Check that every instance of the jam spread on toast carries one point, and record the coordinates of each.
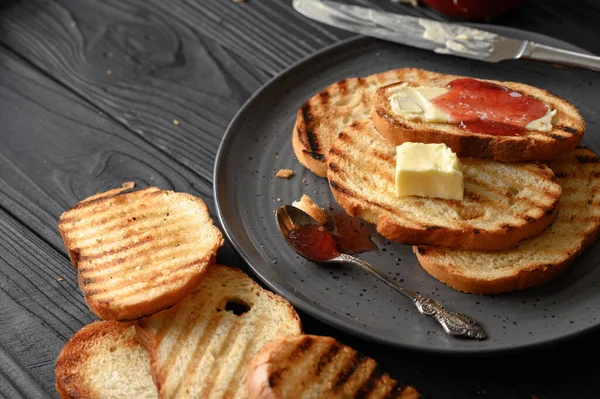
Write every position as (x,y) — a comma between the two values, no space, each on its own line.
(314,242)
(483,107)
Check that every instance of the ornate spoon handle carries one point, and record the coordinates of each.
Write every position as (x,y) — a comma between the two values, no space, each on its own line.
(453,323)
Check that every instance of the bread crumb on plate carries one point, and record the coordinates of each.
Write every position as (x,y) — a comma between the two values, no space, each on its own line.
(285,173)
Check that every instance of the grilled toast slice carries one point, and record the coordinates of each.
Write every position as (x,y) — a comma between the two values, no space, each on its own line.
(309,366)
(537,260)
(202,346)
(329,111)
(138,252)
(104,360)
(568,126)
(503,203)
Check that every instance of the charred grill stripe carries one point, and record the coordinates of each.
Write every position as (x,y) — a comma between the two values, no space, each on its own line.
(327,357)
(368,385)
(301,347)
(313,140)
(123,248)
(349,368)
(228,346)
(131,198)
(551,210)
(241,367)
(121,288)
(125,264)
(334,185)
(587,159)
(556,136)
(324,96)
(395,392)
(430,228)
(333,167)
(566,129)
(198,350)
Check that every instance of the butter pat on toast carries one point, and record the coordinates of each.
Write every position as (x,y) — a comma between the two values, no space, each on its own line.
(309,366)
(104,360)
(138,252)
(503,203)
(537,260)
(567,129)
(329,111)
(201,348)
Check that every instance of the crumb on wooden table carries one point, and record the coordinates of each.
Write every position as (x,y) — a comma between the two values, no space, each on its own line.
(285,173)
(59,279)
(175,122)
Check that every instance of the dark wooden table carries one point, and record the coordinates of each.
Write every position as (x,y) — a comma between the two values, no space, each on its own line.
(90,92)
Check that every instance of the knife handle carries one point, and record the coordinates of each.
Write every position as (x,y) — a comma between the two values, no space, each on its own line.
(535,51)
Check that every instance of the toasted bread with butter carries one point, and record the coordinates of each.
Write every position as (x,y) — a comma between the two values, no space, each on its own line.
(503,203)
(138,252)
(567,129)
(201,347)
(310,366)
(104,360)
(329,111)
(537,260)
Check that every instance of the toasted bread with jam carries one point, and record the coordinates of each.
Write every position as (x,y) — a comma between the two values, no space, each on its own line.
(503,204)
(567,130)
(310,366)
(537,260)
(104,360)
(138,252)
(329,111)
(201,347)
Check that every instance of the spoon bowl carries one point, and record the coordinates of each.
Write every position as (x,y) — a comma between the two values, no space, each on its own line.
(292,221)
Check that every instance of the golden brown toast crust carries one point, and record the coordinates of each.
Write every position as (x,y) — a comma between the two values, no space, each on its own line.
(85,344)
(576,227)
(361,178)
(567,131)
(199,340)
(138,252)
(310,366)
(329,111)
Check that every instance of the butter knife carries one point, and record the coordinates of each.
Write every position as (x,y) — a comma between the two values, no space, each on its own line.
(443,38)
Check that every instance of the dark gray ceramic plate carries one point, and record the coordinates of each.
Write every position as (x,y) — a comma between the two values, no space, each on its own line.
(258,143)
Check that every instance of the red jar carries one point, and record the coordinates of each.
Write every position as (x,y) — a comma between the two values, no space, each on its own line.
(473,9)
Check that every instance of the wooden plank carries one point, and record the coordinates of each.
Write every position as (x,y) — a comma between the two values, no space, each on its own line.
(152,74)
(41,308)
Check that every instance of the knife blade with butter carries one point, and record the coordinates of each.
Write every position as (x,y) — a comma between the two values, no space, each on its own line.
(444,38)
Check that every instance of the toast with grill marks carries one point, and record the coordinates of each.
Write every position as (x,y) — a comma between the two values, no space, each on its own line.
(138,252)
(503,203)
(537,260)
(568,126)
(309,366)
(202,346)
(104,360)
(329,111)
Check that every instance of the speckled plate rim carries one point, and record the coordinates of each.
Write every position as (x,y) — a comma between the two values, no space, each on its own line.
(219,173)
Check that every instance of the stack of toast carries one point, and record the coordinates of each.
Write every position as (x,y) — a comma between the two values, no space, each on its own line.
(174,324)
(531,200)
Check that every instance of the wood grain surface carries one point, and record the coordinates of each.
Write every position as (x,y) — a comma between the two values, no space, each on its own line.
(94,93)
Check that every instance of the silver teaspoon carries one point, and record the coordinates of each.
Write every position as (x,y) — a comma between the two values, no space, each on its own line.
(313,242)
